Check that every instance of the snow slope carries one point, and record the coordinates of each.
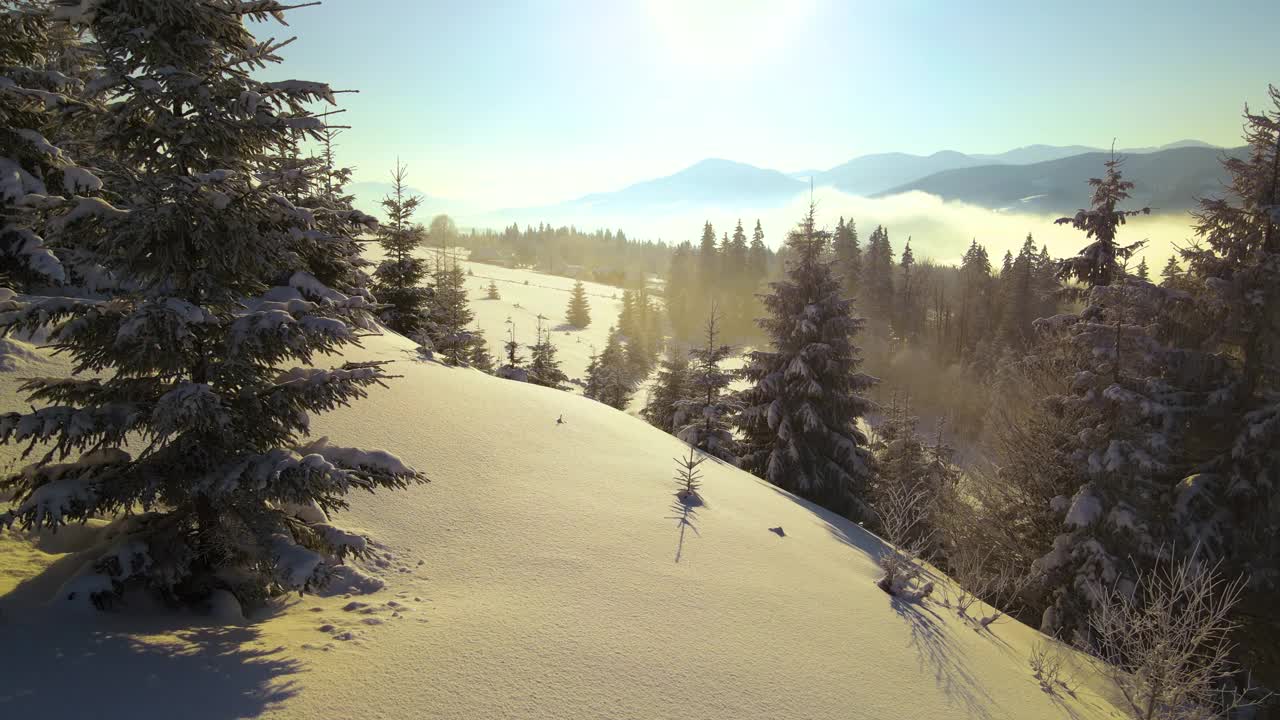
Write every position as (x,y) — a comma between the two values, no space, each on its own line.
(544,573)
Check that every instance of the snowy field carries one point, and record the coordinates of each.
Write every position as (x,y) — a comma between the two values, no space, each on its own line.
(523,295)
(545,572)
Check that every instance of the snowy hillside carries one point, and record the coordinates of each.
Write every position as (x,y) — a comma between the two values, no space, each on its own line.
(544,573)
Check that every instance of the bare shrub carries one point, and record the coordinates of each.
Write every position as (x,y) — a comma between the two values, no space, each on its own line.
(901,512)
(980,577)
(1047,667)
(1168,642)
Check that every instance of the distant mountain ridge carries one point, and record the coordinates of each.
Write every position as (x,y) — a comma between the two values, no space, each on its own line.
(1034,178)
(1167,180)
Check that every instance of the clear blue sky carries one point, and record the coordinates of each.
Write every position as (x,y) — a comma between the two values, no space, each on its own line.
(521,103)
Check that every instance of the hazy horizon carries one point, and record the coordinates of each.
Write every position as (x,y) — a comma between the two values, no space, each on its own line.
(567,98)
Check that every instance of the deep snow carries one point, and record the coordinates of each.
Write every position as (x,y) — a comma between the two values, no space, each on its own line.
(546,572)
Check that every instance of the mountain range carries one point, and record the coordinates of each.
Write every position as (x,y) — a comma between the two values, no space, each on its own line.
(1035,178)
(1042,179)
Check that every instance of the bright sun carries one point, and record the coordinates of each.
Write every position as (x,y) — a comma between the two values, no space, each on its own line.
(717,33)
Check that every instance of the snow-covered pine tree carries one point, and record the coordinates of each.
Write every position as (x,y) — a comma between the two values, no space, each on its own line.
(608,377)
(544,367)
(708,406)
(1100,262)
(663,409)
(1134,395)
(799,418)
(399,277)
(579,313)
(449,312)
(191,362)
(330,250)
(1232,505)
(41,107)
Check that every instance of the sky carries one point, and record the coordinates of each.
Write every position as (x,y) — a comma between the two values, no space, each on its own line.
(516,104)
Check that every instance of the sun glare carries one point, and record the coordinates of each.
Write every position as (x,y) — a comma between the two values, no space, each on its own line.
(724,33)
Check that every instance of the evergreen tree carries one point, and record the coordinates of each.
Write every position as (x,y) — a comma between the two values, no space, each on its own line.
(627,321)
(511,347)
(909,309)
(1018,296)
(975,314)
(1099,262)
(608,377)
(41,107)
(680,292)
(197,342)
(579,313)
(449,313)
(671,386)
(1232,506)
(708,407)
(877,282)
(398,279)
(757,257)
(544,367)
(798,421)
(1169,275)
(1131,399)
(1143,273)
(708,263)
(491,293)
(905,467)
(848,257)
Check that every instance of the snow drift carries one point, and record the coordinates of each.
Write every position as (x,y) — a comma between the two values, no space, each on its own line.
(546,572)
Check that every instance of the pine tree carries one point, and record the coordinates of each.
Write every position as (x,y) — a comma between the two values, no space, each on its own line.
(197,342)
(1018,296)
(398,279)
(1131,399)
(579,313)
(41,107)
(909,309)
(671,386)
(608,377)
(1143,273)
(1099,262)
(449,313)
(627,323)
(708,263)
(975,314)
(1171,272)
(544,367)
(1232,506)
(848,257)
(708,406)
(877,282)
(799,417)
(757,257)
(905,467)
(491,293)
(679,292)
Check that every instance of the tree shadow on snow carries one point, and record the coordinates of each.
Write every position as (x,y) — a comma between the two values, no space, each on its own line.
(929,640)
(55,666)
(685,514)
